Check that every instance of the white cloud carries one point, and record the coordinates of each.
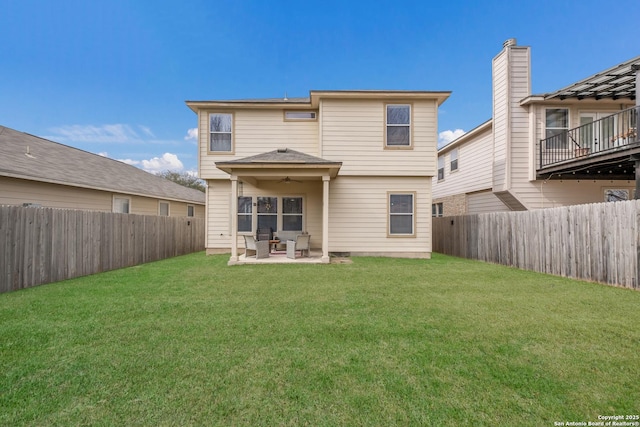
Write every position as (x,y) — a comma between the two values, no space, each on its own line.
(115,133)
(103,154)
(147,131)
(192,134)
(129,162)
(168,161)
(447,136)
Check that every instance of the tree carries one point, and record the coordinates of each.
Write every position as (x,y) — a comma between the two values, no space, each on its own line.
(184,178)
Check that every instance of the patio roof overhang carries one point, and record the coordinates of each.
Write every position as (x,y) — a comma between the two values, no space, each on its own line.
(279,165)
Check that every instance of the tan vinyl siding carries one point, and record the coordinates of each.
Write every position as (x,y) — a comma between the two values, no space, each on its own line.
(473,173)
(219,220)
(484,202)
(353,133)
(358,215)
(19,191)
(255,132)
(519,116)
(500,120)
(218,214)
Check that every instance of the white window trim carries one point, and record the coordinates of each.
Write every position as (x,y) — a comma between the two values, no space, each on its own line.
(113,205)
(160,203)
(439,210)
(440,168)
(568,110)
(451,160)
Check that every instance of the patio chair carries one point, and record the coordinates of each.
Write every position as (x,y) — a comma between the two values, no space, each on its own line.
(259,248)
(300,244)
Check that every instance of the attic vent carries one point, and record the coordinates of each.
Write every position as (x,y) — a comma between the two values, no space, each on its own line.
(509,42)
(282,150)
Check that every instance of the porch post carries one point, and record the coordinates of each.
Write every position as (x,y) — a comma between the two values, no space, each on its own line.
(234,220)
(325,219)
(636,68)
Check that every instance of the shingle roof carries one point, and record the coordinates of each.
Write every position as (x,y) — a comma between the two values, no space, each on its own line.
(281,155)
(614,83)
(30,157)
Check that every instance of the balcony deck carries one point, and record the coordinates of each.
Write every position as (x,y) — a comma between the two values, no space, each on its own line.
(603,149)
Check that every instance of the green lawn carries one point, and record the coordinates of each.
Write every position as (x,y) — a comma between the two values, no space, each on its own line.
(190,341)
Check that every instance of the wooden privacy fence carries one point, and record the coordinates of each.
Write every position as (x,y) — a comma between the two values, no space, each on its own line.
(44,245)
(597,242)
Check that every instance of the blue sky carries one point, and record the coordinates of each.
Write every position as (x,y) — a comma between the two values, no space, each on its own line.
(111,77)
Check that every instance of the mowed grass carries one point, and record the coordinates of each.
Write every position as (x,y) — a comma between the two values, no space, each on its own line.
(446,341)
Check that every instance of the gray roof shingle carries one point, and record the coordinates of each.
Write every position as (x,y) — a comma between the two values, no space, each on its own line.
(281,155)
(30,157)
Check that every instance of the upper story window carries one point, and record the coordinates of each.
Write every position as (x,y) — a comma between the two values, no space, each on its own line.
(453,158)
(221,132)
(398,126)
(299,115)
(190,210)
(556,127)
(440,168)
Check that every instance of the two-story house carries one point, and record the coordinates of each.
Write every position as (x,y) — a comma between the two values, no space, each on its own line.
(576,145)
(351,168)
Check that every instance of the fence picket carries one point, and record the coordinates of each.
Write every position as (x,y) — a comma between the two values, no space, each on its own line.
(598,242)
(44,245)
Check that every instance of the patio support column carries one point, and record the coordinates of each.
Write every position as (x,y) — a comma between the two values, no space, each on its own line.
(234,220)
(325,219)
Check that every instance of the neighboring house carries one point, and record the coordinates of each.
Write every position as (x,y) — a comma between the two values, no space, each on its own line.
(38,172)
(576,145)
(351,168)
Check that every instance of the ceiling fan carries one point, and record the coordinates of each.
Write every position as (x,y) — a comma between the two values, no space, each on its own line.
(287,180)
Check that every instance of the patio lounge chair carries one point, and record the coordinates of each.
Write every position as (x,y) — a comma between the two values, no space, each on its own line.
(300,244)
(259,248)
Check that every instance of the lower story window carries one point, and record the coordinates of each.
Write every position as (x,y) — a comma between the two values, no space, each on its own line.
(436,210)
(401,213)
(292,213)
(163,209)
(121,204)
(268,213)
(245,214)
(267,216)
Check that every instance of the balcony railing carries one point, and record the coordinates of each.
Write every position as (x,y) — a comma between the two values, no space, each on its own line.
(610,133)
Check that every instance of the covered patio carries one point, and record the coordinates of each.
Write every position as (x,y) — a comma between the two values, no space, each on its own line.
(280,167)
